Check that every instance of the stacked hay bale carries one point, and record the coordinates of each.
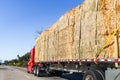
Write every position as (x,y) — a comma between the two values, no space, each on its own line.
(82,33)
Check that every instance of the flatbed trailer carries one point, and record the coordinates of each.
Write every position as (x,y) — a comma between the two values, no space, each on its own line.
(92,69)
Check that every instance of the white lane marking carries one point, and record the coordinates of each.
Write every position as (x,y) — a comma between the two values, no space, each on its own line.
(27,76)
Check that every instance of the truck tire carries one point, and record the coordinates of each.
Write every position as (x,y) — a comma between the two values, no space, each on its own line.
(38,71)
(102,73)
(92,75)
(34,70)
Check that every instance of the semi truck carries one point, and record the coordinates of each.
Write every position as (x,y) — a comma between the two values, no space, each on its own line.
(85,39)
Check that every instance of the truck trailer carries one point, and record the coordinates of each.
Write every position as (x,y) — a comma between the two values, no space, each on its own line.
(85,39)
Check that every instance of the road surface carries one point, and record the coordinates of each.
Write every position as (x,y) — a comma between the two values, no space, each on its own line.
(17,73)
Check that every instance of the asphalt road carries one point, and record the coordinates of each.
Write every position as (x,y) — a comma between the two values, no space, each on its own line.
(17,73)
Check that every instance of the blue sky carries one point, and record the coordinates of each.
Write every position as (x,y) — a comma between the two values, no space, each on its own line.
(20,20)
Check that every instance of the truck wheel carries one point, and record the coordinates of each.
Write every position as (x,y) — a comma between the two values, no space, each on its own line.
(38,72)
(102,73)
(92,75)
(34,70)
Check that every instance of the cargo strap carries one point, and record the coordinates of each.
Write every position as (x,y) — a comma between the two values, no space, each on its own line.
(107,41)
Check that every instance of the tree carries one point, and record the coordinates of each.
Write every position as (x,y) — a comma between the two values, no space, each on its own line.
(21,61)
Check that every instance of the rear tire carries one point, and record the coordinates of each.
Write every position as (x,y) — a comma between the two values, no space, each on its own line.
(38,71)
(102,73)
(34,70)
(92,75)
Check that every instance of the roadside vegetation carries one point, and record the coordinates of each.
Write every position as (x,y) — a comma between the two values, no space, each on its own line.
(20,62)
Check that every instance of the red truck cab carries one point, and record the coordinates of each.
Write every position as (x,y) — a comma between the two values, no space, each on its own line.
(31,62)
